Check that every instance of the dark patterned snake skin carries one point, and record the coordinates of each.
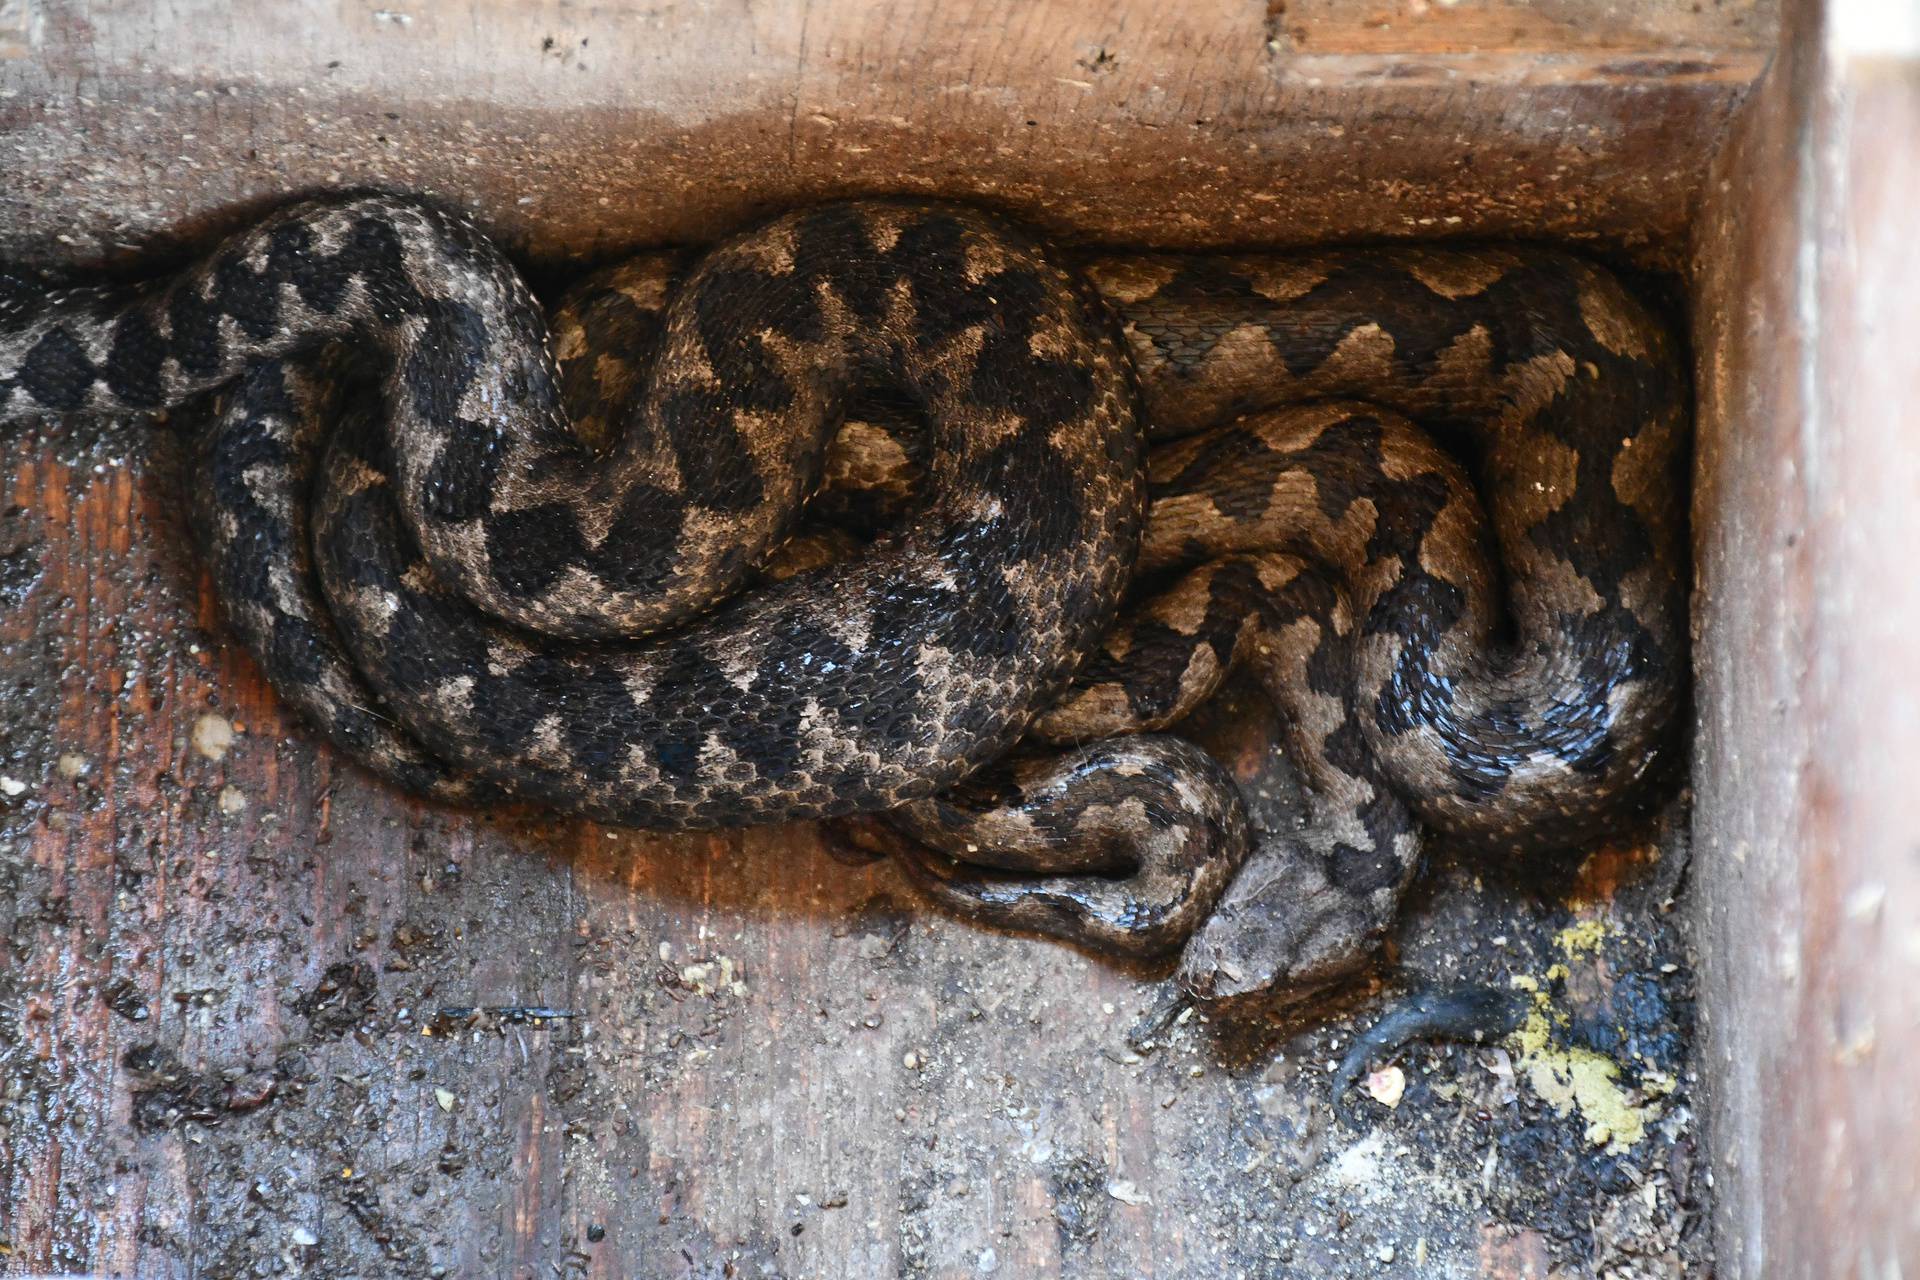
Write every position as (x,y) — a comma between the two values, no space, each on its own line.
(828,519)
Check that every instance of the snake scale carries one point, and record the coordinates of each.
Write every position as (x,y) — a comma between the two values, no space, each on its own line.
(887,507)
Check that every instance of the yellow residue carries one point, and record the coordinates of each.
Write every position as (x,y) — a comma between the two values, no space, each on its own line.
(1582,938)
(1578,1078)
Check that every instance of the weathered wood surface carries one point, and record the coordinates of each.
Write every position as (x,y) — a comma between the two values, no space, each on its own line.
(222,1051)
(573,130)
(1806,521)
(220,1043)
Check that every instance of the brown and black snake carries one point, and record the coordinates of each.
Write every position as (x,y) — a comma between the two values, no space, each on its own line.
(855,514)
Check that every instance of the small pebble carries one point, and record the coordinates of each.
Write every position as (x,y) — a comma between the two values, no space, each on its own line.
(1386,1086)
(232,800)
(213,736)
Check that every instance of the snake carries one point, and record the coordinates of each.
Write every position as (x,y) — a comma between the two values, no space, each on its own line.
(892,513)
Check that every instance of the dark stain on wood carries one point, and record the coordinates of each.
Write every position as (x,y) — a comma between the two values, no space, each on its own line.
(260,1012)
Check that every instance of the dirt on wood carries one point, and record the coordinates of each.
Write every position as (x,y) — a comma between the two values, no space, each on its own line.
(261,1016)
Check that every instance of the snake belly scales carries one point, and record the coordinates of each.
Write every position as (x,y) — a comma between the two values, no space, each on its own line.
(497,560)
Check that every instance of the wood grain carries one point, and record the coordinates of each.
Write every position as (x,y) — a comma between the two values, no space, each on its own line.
(573,131)
(235,1035)
(1809,742)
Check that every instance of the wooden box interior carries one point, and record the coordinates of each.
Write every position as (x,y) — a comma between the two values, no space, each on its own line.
(1765,162)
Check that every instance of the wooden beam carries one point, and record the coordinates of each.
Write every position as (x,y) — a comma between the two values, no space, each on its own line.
(577,130)
(1807,305)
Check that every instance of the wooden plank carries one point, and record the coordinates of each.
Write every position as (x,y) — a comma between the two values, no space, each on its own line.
(221,1048)
(573,131)
(1810,709)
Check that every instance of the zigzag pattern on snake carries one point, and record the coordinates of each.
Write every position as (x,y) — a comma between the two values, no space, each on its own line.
(436,526)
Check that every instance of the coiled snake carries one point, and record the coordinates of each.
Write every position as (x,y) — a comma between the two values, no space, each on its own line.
(439,529)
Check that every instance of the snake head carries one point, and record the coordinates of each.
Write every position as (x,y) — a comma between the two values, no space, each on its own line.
(1282,934)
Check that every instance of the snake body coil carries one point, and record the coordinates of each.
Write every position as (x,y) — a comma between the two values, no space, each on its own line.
(493,508)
